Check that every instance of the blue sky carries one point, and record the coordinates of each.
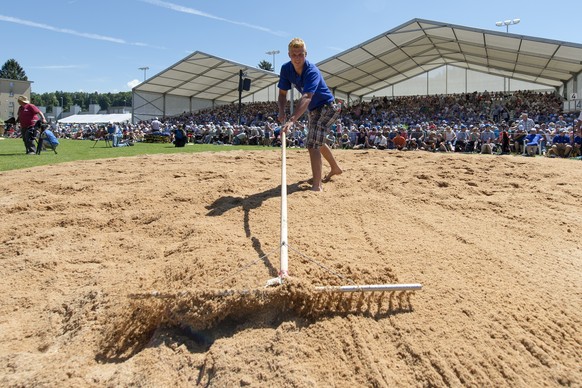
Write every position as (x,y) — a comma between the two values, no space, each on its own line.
(82,45)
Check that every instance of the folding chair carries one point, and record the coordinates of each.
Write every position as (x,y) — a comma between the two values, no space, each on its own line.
(102,135)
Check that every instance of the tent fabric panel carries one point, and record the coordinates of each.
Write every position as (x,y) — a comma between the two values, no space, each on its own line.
(379,46)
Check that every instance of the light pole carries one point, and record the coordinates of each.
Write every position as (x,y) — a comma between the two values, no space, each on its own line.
(273,53)
(507,23)
(145,69)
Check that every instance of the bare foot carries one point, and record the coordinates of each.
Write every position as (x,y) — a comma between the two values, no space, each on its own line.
(327,178)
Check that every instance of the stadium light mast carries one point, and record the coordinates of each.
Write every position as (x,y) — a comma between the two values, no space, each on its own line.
(273,53)
(145,69)
(507,23)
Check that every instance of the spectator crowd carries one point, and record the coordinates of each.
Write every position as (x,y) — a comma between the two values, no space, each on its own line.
(523,122)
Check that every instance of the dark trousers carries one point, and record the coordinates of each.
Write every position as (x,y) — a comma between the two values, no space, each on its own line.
(181,142)
(28,136)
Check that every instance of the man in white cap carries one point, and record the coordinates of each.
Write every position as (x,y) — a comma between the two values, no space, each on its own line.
(28,115)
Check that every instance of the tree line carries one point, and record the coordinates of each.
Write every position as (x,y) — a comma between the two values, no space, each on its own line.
(82,99)
(12,70)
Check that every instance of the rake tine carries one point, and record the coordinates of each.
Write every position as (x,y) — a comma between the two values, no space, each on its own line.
(391,302)
(380,299)
(360,302)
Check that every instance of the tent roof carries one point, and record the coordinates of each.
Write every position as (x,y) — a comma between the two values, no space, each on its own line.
(419,46)
(96,119)
(207,77)
(411,49)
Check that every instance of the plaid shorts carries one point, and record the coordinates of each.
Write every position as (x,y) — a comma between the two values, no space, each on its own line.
(320,120)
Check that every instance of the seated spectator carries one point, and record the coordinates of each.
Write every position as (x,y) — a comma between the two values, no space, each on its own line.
(268,129)
(362,140)
(276,137)
(242,139)
(399,142)
(532,142)
(473,142)
(180,136)
(526,123)
(577,143)
(450,137)
(255,136)
(390,136)
(461,138)
(560,145)
(330,139)
(487,139)
(417,138)
(430,141)
(504,141)
(381,141)
(353,134)
(299,136)
(561,123)
(228,134)
(517,139)
(345,142)
(156,125)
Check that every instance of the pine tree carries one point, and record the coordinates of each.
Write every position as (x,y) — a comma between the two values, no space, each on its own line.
(12,70)
(265,65)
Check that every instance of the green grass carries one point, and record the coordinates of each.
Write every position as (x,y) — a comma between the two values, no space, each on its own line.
(13,157)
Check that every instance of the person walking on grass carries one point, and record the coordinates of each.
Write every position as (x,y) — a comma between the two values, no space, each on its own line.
(315,98)
(28,115)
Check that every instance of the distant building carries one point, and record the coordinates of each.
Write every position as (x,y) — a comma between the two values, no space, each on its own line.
(10,89)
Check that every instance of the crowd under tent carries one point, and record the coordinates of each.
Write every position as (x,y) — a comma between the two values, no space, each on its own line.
(419,57)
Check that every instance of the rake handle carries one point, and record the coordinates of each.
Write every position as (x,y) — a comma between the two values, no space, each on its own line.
(371,288)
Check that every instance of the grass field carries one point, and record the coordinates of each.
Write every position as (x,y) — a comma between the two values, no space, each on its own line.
(13,157)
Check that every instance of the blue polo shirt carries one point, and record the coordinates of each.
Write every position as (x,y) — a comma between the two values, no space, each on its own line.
(50,137)
(561,139)
(310,81)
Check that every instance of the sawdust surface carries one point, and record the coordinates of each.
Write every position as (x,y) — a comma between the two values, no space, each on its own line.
(149,271)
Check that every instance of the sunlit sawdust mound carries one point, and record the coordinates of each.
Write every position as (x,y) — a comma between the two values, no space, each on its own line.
(215,313)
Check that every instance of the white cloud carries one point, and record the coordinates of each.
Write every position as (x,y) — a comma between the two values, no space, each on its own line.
(133,83)
(59,67)
(87,35)
(192,11)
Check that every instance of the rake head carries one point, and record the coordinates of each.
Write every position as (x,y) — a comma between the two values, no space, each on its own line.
(203,309)
(214,310)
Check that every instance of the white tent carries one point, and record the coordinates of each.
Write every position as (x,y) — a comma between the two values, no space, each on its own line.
(96,119)
(414,58)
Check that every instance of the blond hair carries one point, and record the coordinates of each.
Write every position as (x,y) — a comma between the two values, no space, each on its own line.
(297,43)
